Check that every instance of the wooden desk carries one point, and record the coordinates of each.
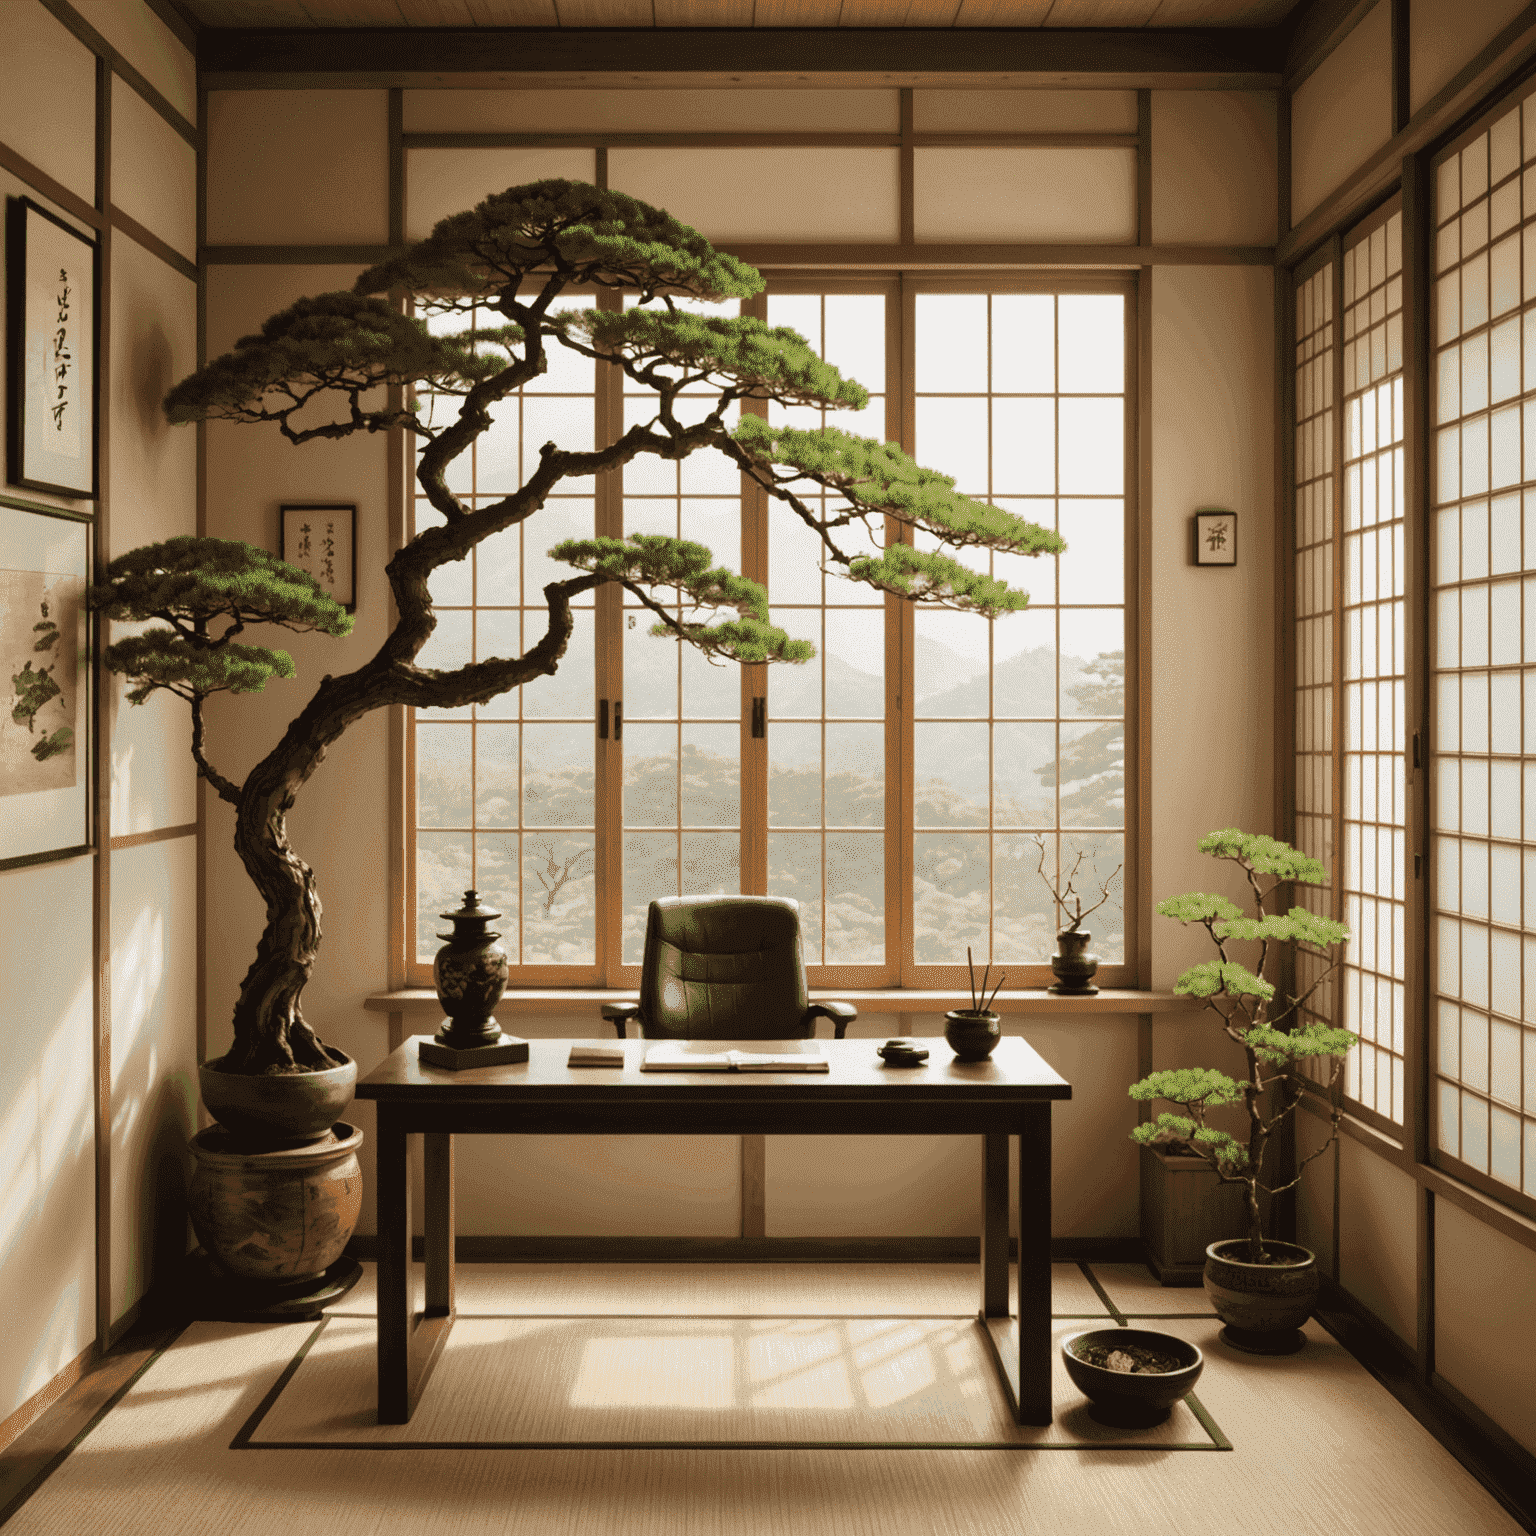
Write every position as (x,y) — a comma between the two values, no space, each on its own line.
(1009,1095)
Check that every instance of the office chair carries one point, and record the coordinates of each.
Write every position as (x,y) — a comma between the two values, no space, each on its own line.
(724,968)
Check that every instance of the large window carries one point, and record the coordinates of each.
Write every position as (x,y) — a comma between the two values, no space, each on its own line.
(1482,656)
(912,784)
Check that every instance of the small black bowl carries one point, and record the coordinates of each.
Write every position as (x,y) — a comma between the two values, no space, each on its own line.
(1126,1397)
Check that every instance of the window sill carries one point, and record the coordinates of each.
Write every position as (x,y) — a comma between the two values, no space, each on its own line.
(418,1001)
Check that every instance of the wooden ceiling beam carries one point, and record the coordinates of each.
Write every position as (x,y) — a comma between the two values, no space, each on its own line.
(1125,59)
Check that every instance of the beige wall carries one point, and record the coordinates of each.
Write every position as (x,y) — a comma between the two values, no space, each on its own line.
(1445,35)
(50,947)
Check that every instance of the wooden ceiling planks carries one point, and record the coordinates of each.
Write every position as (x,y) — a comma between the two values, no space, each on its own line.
(1223,13)
(605,13)
(703,13)
(1003,13)
(1100,13)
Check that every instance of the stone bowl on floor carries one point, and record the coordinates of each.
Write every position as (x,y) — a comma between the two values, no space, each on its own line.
(1132,1397)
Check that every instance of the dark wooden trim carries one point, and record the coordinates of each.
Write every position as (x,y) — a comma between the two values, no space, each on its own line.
(1142,144)
(1401,61)
(202,530)
(159,835)
(739,1250)
(1282,164)
(185,27)
(783,138)
(101,745)
(396,132)
(1139,603)
(1317,31)
(1424,1251)
(152,243)
(66,14)
(1505,56)
(1231,59)
(1418,429)
(754,1188)
(17,1423)
(45,186)
(902,256)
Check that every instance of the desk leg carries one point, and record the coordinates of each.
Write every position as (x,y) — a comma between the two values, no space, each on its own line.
(394,1224)
(437,1148)
(994,1226)
(1034,1399)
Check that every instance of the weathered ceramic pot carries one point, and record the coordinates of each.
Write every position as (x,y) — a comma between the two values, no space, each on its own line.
(972,1036)
(1127,1396)
(470,973)
(1073,965)
(280,1110)
(1263,1305)
(282,1214)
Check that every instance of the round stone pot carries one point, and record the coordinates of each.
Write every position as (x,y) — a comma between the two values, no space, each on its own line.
(281,1109)
(281,1215)
(972,1036)
(1138,1397)
(1073,965)
(1263,1305)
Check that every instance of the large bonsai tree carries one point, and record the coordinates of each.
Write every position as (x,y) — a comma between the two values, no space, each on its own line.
(1277,1047)
(315,372)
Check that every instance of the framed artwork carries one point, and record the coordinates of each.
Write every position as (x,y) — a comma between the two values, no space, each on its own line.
(321,538)
(45,674)
(51,344)
(1215,537)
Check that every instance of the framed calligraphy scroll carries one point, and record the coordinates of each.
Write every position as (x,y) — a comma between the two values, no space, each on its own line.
(322,539)
(51,331)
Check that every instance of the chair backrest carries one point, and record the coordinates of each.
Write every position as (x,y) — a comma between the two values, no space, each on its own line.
(723,968)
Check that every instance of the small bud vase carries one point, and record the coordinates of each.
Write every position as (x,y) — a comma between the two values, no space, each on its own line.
(1073,965)
(470,972)
(972,1034)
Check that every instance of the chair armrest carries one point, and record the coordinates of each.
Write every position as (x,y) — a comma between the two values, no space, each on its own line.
(619,1014)
(841,1014)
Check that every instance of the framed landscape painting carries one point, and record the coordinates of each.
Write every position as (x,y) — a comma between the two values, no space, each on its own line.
(51,346)
(45,675)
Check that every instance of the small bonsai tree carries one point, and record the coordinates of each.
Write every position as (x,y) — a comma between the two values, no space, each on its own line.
(317,371)
(1251,1015)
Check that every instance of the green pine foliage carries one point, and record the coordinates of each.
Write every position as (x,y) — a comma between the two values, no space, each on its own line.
(583,234)
(1280,1047)
(765,363)
(191,585)
(333,342)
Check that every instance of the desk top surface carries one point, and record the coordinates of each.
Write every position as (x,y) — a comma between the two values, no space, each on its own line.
(1015,1071)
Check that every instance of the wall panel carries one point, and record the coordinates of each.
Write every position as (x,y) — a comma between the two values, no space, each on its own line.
(1485,1297)
(1342,112)
(47,97)
(439,182)
(1025,194)
(48,1195)
(1314,1198)
(154,1060)
(1378,1256)
(762,194)
(1213,167)
(1024,111)
(1447,34)
(267,184)
(150,46)
(154,171)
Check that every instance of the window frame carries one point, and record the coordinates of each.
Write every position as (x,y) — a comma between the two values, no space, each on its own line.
(898,969)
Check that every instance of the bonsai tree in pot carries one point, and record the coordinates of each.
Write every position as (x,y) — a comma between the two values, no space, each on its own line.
(342,363)
(1277,1049)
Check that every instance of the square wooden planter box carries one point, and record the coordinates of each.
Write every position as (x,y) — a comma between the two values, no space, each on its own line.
(1184,1208)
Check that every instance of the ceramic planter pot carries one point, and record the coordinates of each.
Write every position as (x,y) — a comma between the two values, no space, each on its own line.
(279,1215)
(285,1110)
(972,1036)
(1263,1305)
(1133,1397)
(1073,965)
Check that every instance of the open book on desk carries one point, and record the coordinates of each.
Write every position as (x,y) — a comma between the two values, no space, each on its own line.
(706,1056)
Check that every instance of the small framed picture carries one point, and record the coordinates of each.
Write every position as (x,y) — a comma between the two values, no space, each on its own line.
(45,736)
(1215,537)
(51,336)
(321,538)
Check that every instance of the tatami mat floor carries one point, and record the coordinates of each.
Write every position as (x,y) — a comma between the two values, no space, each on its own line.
(1318,1445)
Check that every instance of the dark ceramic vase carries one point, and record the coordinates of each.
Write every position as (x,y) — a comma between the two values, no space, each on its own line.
(1263,1305)
(972,1036)
(1073,965)
(470,973)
